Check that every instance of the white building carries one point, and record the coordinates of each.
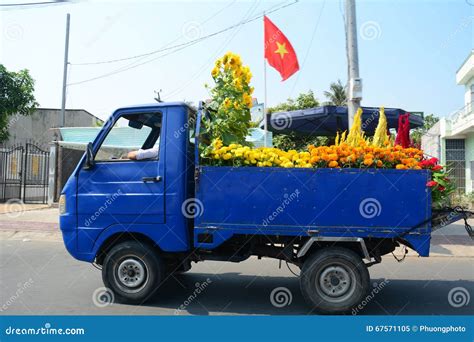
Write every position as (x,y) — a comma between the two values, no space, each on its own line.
(452,139)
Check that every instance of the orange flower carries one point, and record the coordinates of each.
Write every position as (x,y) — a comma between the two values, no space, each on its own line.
(333,163)
(325,157)
(379,163)
(401,167)
(368,162)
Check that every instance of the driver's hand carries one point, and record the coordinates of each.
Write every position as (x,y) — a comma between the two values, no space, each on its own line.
(132,155)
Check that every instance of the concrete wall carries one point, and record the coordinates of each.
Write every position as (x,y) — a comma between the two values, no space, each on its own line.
(37,128)
(469,162)
(430,141)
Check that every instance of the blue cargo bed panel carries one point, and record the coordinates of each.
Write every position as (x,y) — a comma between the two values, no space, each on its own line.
(335,202)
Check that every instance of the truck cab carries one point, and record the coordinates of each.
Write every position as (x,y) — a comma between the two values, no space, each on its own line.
(109,197)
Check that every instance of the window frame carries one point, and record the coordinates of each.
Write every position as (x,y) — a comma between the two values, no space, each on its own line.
(127,114)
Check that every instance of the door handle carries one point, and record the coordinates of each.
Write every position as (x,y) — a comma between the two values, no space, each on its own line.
(151,179)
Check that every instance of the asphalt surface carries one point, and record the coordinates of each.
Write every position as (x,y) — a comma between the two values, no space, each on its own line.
(40,278)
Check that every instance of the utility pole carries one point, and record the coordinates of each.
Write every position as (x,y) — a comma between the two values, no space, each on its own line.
(66,56)
(354,89)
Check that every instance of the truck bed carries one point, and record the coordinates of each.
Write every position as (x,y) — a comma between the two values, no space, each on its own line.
(370,203)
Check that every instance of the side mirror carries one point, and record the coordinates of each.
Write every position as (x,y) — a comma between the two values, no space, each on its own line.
(89,157)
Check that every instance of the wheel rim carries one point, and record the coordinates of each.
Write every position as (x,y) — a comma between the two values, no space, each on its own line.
(336,283)
(131,275)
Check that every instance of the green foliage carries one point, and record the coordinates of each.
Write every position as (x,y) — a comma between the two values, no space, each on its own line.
(293,141)
(303,101)
(16,97)
(336,95)
(231,101)
(441,193)
(416,134)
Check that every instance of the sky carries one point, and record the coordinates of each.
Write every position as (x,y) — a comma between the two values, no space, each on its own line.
(409,51)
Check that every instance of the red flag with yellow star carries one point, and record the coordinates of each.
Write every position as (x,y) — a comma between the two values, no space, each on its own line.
(278,50)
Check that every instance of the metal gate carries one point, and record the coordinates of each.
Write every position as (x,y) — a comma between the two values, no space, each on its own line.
(11,180)
(24,174)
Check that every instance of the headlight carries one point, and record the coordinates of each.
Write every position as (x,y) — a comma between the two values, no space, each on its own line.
(62,204)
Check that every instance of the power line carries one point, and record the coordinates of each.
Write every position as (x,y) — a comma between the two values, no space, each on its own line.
(175,48)
(315,29)
(32,3)
(216,52)
(189,43)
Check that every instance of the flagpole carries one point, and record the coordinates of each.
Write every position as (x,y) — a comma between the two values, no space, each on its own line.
(265,124)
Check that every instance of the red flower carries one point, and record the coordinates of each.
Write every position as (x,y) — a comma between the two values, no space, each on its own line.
(441,188)
(430,163)
(431,184)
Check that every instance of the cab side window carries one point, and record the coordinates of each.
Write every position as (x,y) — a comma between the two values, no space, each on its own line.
(131,133)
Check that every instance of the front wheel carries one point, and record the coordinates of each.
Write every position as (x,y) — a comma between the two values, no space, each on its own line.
(334,280)
(132,271)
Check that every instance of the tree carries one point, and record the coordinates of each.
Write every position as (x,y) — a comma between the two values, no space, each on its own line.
(416,134)
(16,97)
(303,101)
(294,141)
(337,94)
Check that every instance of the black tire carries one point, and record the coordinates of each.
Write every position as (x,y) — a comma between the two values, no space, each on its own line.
(140,274)
(334,280)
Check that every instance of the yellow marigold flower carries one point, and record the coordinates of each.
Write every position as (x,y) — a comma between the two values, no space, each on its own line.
(227,156)
(400,167)
(333,163)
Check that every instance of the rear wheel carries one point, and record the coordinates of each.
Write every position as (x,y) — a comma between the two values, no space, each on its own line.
(132,271)
(334,280)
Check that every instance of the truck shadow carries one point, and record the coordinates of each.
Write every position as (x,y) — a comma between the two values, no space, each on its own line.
(235,293)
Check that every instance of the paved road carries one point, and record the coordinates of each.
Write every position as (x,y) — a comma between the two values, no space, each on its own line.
(51,282)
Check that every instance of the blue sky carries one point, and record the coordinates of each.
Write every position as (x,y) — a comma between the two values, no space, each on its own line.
(409,51)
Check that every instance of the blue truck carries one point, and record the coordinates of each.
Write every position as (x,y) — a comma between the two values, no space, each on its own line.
(141,221)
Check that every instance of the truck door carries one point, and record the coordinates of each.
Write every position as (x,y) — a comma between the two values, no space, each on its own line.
(116,190)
